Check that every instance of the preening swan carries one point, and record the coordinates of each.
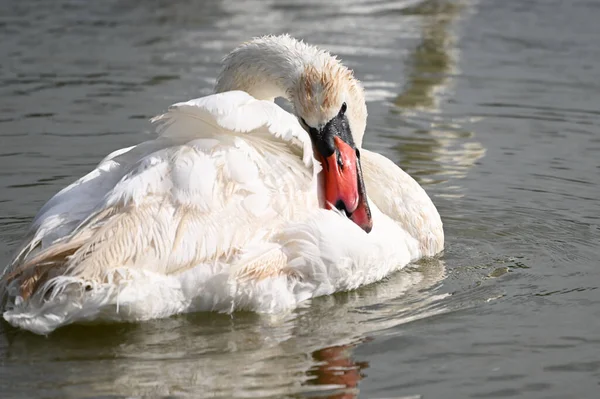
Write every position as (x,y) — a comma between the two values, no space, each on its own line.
(237,204)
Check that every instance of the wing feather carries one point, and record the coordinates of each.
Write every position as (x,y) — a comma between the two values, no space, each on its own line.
(224,170)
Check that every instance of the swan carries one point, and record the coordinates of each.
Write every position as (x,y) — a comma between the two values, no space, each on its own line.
(236,204)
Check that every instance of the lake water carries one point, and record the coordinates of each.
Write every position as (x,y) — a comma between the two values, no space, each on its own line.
(492,105)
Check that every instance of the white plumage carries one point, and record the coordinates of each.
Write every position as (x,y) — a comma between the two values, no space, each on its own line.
(220,213)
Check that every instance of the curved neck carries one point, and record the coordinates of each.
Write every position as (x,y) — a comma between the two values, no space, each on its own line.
(268,67)
(315,82)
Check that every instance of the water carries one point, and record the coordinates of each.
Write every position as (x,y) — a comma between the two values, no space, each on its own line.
(492,105)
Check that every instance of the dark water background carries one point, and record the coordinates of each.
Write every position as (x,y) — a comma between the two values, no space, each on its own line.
(492,105)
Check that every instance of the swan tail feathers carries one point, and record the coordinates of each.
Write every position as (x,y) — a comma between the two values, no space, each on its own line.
(32,273)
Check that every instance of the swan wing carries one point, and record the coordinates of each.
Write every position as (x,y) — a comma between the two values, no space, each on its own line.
(196,194)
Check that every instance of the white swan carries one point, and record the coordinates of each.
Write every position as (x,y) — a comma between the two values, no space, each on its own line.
(224,209)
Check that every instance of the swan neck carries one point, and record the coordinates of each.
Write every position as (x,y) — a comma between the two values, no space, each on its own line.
(313,81)
(263,80)
(267,68)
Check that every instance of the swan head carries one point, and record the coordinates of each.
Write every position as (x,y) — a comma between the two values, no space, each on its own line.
(330,105)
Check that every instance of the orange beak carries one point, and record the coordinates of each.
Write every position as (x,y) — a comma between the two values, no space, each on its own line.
(342,183)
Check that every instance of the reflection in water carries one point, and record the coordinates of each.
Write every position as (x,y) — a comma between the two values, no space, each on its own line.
(440,155)
(432,60)
(434,152)
(196,355)
(337,369)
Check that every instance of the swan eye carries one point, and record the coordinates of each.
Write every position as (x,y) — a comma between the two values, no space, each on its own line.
(304,124)
(343,109)
(311,130)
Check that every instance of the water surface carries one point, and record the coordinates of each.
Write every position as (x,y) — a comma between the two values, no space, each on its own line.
(492,105)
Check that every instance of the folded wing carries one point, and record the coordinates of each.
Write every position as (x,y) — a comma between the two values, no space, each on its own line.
(224,170)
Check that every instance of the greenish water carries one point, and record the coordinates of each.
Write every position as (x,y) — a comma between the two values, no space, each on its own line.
(492,105)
